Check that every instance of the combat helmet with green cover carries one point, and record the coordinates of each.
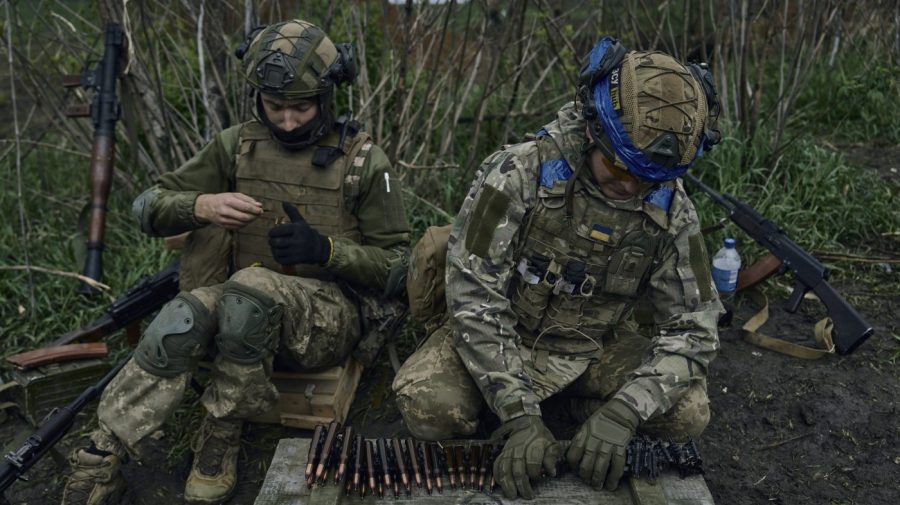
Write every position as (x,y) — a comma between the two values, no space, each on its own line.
(650,114)
(296,60)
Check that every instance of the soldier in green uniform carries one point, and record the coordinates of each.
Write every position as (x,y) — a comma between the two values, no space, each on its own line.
(556,243)
(257,288)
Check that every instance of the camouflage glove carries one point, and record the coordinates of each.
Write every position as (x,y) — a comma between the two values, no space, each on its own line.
(597,452)
(530,447)
(298,242)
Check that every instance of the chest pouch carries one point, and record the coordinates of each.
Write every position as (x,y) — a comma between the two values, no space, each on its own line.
(538,275)
(565,316)
(627,268)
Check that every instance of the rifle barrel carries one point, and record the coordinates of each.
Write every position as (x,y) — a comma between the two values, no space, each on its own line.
(49,433)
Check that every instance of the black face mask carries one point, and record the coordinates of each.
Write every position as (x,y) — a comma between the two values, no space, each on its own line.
(300,137)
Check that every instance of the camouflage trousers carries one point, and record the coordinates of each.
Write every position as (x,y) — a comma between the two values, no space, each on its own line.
(319,328)
(439,400)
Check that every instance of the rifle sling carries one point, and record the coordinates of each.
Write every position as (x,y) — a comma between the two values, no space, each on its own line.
(823,331)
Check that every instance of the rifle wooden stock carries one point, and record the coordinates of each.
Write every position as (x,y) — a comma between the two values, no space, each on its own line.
(765,267)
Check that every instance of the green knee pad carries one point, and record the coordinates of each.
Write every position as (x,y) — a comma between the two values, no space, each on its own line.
(167,347)
(249,323)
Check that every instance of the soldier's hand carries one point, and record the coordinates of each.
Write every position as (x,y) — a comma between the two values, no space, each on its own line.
(228,210)
(597,452)
(297,242)
(530,448)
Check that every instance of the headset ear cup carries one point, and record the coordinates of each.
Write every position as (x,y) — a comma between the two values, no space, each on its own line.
(702,74)
(241,50)
(587,103)
(344,69)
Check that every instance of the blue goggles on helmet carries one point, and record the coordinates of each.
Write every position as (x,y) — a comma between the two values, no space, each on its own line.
(658,161)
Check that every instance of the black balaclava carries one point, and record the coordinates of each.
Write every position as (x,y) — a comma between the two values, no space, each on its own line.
(306,134)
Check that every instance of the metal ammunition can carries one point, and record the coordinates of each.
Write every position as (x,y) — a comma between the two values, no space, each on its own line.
(50,386)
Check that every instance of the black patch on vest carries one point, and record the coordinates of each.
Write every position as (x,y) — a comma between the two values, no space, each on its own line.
(325,155)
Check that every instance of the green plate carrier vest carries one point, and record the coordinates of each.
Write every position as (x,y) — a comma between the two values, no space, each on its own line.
(325,196)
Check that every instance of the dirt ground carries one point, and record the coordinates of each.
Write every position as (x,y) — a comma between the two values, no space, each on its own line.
(783,430)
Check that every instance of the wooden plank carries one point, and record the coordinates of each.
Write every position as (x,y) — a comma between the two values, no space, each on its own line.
(300,386)
(322,396)
(322,406)
(646,492)
(346,390)
(284,485)
(307,422)
(333,373)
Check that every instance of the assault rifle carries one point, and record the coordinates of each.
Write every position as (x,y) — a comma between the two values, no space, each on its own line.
(51,431)
(142,299)
(104,112)
(147,296)
(850,330)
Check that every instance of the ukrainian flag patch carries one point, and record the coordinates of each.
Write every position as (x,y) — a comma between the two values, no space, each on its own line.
(601,233)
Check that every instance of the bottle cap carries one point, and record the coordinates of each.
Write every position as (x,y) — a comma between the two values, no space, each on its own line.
(729,243)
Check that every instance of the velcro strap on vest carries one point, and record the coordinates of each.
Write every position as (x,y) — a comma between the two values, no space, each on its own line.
(360,159)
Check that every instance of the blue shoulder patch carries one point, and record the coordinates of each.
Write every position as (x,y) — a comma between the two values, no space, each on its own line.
(661,197)
(554,170)
(540,133)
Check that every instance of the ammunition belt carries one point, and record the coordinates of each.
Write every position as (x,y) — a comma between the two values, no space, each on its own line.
(384,465)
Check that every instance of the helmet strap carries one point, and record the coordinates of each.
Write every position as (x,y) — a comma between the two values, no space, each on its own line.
(304,135)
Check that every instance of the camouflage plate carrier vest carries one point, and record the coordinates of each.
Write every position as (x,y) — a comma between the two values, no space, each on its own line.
(325,196)
(618,245)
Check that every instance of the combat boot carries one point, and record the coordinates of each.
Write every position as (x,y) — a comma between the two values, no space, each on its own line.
(96,478)
(214,472)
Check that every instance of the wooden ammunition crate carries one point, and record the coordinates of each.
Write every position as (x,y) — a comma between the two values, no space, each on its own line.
(51,386)
(308,399)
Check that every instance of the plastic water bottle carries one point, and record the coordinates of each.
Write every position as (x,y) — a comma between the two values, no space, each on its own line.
(725,266)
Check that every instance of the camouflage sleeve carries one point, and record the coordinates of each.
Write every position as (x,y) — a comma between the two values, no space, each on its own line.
(167,208)
(687,309)
(381,261)
(479,268)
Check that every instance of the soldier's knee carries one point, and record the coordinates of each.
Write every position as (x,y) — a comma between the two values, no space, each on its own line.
(696,418)
(254,277)
(688,418)
(249,323)
(430,420)
(175,337)
(438,413)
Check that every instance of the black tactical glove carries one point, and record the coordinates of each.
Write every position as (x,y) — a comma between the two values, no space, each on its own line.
(530,447)
(298,242)
(597,452)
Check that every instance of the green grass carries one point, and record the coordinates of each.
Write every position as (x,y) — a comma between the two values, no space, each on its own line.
(855,100)
(819,199)
(54,194)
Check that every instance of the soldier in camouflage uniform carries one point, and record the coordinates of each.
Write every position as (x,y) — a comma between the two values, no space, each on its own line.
(300,290)
(557,241)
